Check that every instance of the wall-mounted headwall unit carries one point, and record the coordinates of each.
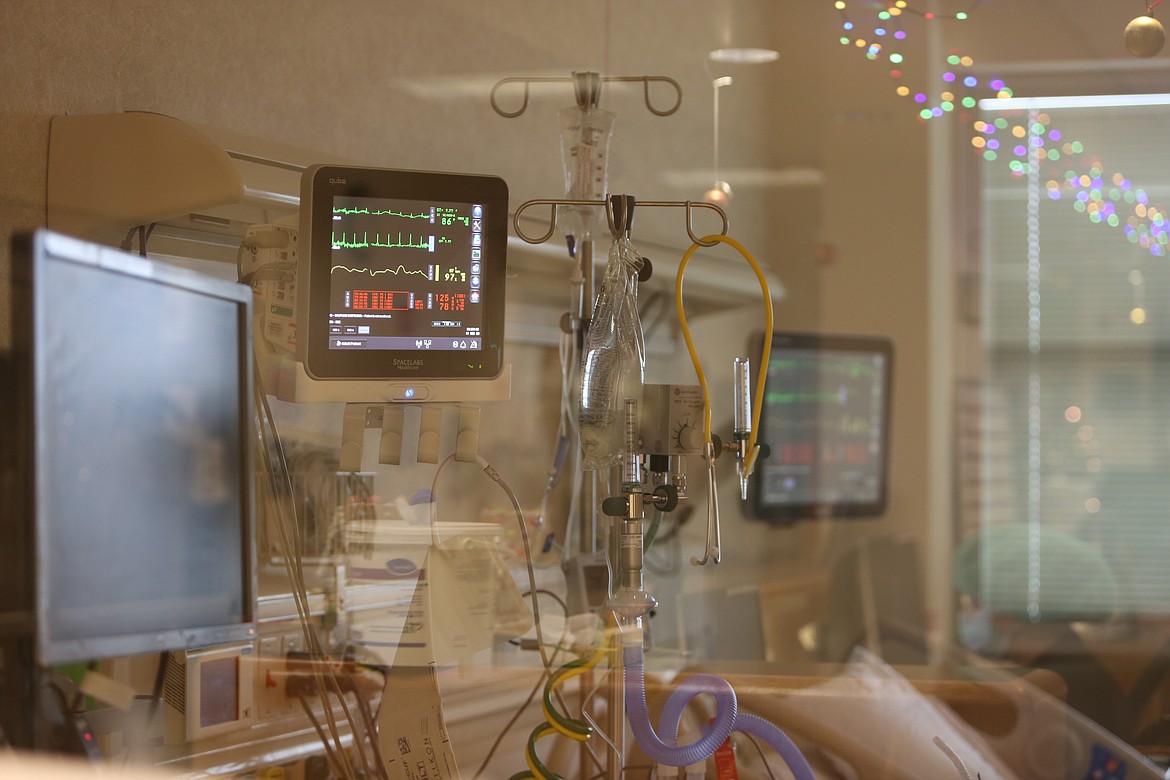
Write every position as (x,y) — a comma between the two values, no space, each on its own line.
(108,173)
(203,187)
(115,171)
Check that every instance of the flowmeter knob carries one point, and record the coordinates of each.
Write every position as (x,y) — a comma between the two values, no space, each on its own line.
(615,506)
(665,498)
(690,438)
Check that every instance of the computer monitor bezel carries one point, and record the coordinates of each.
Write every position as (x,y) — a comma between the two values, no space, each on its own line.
(31,257)
(320,185)
(786,513)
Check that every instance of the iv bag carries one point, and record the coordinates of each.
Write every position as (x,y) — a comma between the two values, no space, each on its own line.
(584,155)
(614,359)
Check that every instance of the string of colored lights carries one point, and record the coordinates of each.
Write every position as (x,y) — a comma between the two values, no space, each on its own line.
(1013,135)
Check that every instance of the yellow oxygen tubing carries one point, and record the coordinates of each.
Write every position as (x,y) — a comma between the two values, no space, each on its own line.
(568,727)
(758,401)
(535,765)
(555,723)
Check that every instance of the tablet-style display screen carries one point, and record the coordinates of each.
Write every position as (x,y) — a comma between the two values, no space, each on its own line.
(406,274)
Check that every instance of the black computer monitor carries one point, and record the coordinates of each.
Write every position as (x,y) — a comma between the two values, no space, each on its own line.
(130,525)
(826,420)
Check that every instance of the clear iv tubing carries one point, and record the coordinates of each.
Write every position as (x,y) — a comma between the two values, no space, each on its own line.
(568,436)
(727,719)
(570,364)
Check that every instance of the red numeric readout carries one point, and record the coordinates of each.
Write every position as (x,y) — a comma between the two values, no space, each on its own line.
(808,454)
(380,300)
(450,301)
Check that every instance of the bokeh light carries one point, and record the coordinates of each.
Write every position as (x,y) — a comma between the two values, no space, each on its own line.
(1110,200)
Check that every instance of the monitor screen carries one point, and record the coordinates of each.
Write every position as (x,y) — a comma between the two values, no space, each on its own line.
(825,419)
(139,399)
(404,272)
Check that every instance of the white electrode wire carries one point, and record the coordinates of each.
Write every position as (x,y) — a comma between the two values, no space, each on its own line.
(280,479)
(546,661)
(323,674)
(713,503)
(950,753)
(491,472)
(495,476)
(279,483)
(544,675)
(546,666)
(338,764)
(277,468)
(272,455)
(433,507)
(371,729)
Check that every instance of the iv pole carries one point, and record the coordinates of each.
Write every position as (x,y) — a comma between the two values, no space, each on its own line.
(619,211)
(587,91)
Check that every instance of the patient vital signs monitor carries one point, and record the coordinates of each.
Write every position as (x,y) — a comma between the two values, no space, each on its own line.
(826,420)
(401,276)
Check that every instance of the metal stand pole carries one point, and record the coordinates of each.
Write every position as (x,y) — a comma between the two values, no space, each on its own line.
(616,705)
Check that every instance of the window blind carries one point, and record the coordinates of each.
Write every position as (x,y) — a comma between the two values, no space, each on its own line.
(1072,411)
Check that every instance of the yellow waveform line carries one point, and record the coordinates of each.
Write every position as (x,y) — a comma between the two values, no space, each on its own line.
(401,269)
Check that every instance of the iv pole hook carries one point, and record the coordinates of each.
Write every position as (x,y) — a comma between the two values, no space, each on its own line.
(587,88)
(620,211)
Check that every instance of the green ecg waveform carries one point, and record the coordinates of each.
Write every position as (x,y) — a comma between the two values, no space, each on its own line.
(376,271)
(355,243)
(854,368)
(802,398)
(379,212)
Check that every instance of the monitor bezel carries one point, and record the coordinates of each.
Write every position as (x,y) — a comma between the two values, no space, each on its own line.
(31,258)
(784,514)
(320,184)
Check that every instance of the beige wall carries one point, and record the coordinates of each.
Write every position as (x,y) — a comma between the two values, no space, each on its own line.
(401,84)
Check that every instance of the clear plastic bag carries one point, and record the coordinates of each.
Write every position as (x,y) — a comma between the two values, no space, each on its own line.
(585,139)
(614,358)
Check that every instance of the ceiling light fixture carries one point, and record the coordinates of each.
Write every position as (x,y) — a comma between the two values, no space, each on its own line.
(744,55)
(720,191)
